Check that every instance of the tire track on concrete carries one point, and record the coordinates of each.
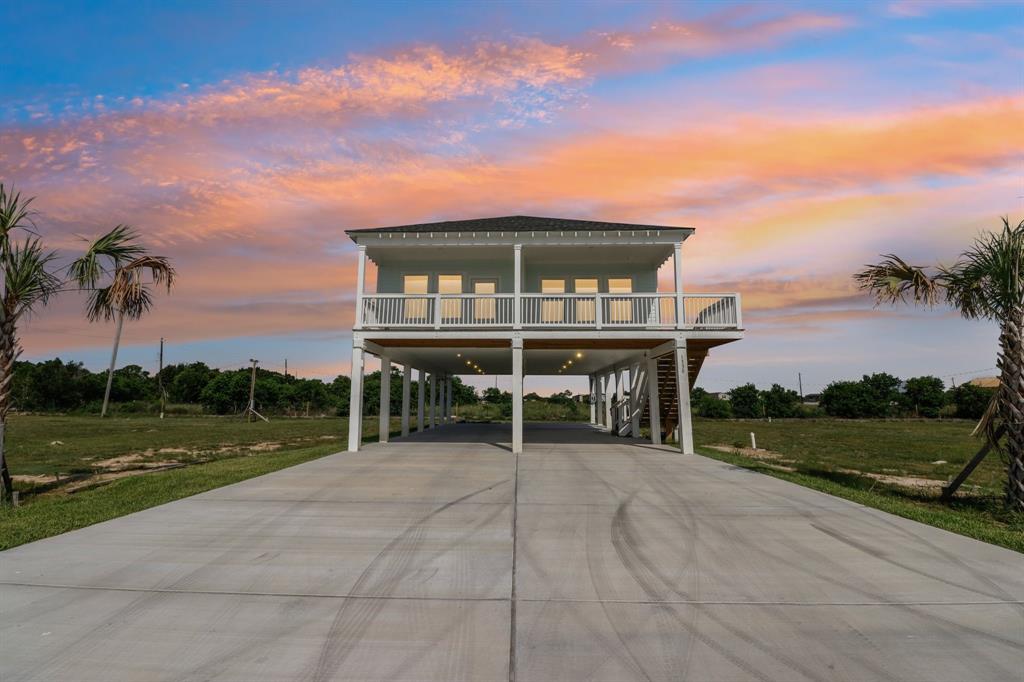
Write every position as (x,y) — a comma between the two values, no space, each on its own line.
(353,618)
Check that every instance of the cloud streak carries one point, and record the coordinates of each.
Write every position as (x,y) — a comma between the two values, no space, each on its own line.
(249,183)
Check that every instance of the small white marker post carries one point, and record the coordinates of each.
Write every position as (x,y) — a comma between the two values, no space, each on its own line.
(753,441)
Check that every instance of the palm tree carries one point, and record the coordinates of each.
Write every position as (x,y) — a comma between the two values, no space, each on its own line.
(26,284)
(117,258)
(986,282)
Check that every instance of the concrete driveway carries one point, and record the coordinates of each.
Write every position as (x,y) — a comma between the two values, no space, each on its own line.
(444,557)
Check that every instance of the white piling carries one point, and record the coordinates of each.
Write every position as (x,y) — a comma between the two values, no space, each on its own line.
(753,441)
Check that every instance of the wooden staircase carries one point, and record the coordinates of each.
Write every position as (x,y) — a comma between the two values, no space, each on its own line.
(668,397)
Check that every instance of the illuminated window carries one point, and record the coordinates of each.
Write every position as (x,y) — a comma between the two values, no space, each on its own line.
(552,311)
(620,310)
(485,309)
(451,308)
(585,307)
(415,285)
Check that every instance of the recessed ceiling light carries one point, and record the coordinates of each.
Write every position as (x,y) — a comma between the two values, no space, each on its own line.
(458,355)
(579,354)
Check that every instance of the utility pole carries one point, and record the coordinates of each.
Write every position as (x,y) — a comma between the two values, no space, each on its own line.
(160,377)
(286,369)
(251,410)
(800,380)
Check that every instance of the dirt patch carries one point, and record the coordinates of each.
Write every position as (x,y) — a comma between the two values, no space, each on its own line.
(176,451)
(33,478)
(903,481)
(107,476)
(750,452)
(264,447)
(770,459)
(123,460)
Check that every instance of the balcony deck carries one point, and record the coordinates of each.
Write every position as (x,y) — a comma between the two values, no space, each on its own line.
(551,311)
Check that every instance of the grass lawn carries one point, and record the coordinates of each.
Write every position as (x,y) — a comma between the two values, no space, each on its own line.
(73,471)
(889,465)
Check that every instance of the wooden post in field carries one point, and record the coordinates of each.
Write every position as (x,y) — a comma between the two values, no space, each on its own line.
(251,410)
(160,377)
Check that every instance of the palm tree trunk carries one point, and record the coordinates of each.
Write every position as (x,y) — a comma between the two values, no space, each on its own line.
(8,353)
(113,362)
(1011,404)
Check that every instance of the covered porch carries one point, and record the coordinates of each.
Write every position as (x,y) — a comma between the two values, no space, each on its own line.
(638,385)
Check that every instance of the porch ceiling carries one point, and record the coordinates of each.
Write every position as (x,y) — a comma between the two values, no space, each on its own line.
(540,356)
(575,254)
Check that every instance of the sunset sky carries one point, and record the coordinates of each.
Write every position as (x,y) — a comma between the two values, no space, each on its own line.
(799,139)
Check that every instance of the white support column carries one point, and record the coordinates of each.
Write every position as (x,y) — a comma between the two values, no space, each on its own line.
(433,400)
(517,286)
(442,400)
(654,406)
(448,400)
(677,270)
(406,395)
(517,396)
(355,402)
(384,415)
(421,396)
(683,386)
(360,284)
(593,400)
(609,398)
(599,387)
(634,400)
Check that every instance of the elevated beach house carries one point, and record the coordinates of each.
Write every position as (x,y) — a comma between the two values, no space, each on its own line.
(523,295)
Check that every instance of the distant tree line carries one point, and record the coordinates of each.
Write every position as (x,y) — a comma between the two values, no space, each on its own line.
(874,396)
(58,386)
(55,385)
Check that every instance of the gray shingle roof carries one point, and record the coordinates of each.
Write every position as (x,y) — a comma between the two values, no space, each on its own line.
(516,223)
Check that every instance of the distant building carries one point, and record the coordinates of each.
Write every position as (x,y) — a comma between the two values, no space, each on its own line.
(985,382)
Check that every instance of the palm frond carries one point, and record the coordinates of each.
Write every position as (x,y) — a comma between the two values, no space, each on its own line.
(118,246)
(893,279)
(29,282)
(99,305)
(988,279)
(14,214)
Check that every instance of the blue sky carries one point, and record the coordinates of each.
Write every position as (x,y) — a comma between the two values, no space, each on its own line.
(800,139)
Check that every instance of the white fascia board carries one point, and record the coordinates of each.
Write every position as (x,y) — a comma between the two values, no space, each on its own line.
(562,238)
(508,334)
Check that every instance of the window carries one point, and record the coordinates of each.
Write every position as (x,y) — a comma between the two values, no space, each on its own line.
(451,308)
(485,309)
(552,310)
(620,309)
(585,306)
(415,284)
(622,285)
(416,308)
(552,286)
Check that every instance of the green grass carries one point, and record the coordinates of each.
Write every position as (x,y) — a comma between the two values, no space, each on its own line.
(64,452)
(57,513)
(216,451)
(533,411)
(895,447)
(43,444)
(825,455)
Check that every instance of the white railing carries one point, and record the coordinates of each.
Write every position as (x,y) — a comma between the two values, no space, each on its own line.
(594,311)
(638,310)
(476,310)
(711,311)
